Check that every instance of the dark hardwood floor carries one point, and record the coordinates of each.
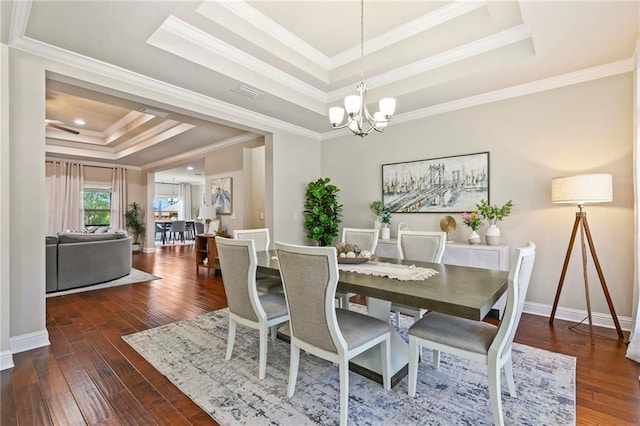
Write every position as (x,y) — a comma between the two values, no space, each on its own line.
(89,375)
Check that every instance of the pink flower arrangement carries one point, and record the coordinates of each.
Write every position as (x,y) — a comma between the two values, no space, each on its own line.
(473,220)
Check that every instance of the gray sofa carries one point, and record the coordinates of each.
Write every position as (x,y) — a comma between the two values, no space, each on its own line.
(78,259)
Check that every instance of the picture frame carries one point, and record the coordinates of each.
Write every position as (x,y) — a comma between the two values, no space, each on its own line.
(222,195)
(452,184)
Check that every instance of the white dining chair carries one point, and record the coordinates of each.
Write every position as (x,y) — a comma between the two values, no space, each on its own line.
(238,265)
(365,239)
(261,238)
(310,278)
(421,246)
(476,340)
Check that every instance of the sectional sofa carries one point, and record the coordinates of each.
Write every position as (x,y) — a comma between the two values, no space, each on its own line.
(80,259)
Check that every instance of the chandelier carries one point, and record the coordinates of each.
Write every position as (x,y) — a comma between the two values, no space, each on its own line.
(359,120)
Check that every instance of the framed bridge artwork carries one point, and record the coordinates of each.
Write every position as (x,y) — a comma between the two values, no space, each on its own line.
(438,185)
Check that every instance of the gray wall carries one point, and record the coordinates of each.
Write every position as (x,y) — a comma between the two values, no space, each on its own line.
(581,128)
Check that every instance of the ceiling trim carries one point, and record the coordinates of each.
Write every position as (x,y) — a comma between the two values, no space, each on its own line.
(569,79)
(196,37)
(200,152)
(466,51)
(212,106)
(410,29)
(268,27)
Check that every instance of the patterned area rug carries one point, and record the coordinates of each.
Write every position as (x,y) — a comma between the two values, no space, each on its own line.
(191,355)
(135,276)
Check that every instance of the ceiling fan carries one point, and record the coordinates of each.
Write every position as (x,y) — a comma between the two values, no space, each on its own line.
(57,124)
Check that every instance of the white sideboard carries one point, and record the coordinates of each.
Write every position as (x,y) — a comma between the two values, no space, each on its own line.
(463,254)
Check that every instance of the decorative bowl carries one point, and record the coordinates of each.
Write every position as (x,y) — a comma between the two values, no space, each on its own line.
(353,259)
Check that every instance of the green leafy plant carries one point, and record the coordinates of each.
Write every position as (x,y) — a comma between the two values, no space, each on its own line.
(134,221)
(376,207)
(322,211)
(385,215)
(494,213)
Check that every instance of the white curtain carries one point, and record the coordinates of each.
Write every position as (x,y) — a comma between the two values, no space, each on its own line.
(118,198)
(633,351)
(184,212)
(65,184)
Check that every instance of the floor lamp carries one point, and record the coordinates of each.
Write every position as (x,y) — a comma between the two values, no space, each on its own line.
(581,190)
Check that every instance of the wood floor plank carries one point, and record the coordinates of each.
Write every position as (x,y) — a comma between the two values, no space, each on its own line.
(109,383)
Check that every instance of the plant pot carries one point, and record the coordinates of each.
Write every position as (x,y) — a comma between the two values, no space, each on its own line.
(377,224)
(492,235)
(474,238)
(136,247)
(385,233)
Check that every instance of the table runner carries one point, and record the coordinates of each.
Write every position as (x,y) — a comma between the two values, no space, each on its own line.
(391,270)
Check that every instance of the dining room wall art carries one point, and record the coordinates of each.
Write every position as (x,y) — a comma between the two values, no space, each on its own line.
(439,185)
(222,195)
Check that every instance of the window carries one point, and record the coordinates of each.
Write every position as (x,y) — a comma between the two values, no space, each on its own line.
(97,207)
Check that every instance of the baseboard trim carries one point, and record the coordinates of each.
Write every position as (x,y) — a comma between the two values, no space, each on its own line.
(6,360)
(26,342)
(148,250)
(577,315)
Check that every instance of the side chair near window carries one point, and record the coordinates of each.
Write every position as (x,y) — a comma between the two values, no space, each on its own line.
(177,229)
(365,239)
(261,239)
(238,265)
(421,246)
(477,340)
(310,278)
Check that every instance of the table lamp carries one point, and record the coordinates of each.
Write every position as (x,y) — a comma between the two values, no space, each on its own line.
(207,213)
(581,190)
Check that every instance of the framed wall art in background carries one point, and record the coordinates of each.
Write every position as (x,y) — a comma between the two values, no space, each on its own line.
(222,195)
(440,185)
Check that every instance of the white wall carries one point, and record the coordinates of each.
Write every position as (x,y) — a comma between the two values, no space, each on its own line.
(531,139)
(27,195)
(254,161)
(291,161)
(6,359)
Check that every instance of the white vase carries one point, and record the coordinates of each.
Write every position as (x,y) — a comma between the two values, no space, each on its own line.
(474,238)
(377,224)
(385,232)
(492,235)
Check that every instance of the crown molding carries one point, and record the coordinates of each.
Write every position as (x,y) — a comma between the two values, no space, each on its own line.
(269,27)
(569,79)
(197,153)
(410,29)
(210,106)
(466,51)
(196,37)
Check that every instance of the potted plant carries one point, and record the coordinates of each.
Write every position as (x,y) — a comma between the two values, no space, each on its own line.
(385,216)
(134,222)
(322,211)
(376,207)
(494,214)
(472,220)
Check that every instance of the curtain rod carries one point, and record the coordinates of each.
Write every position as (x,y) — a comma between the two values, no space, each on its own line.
(88,165)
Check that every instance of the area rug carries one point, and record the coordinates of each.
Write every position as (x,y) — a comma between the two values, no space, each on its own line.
(191,355)
(135,276)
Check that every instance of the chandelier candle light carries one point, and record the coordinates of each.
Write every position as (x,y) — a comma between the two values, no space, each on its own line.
(359,120)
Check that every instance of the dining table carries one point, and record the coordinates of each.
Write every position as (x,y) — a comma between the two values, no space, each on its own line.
(460,291)
(165,226)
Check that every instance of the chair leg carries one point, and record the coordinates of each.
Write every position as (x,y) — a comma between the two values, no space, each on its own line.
(264,339)
(344,301)
(293,369)
(397,320)
(385,349)
(413,365)
(344,391)
(493,373)
(436,359)
(231,338)
(508,371)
